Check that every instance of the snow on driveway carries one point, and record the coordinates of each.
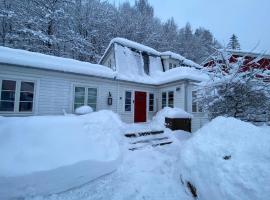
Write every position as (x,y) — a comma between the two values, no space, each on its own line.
(150,173)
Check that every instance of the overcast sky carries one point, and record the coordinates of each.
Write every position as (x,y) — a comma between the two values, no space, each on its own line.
(248,19)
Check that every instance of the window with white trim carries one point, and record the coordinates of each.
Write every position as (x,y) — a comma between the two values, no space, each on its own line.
(164,99)
(195,105)
(85,96)
(16,96)
(151,102)
(167,99)
(171,99)
(128,100)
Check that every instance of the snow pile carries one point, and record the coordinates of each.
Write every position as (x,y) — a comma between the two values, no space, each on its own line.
(159,118)
(228,159)
(65,151)
(42,61)
(83,110)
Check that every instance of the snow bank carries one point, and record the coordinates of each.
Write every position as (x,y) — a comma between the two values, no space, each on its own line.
(83,110)
(159,118)
(228,159)
(49,154)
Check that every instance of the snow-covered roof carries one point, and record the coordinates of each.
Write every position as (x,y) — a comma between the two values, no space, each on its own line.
(134,45)
(181,58)
(143,48)
(41,61)
(247,53)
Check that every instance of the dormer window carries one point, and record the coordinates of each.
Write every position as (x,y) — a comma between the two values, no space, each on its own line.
(146,63)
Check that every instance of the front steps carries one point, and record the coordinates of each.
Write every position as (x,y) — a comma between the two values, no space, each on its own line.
(140,140)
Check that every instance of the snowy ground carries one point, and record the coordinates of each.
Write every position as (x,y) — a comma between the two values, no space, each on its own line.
(226,159)
(149,173)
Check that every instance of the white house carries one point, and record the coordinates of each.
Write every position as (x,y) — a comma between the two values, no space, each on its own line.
(131,79)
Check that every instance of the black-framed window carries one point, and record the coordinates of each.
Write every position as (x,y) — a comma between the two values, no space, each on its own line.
(164,99)
(128,101)
(167,99)
(85,96)
(26,96)
(171,99)
(151,102)
(16,96)
(8,91)
(170,65)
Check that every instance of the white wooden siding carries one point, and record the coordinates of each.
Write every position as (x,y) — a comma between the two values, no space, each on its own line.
(54,92)
(55,89)
(179,96)
(199,119)
(128,117)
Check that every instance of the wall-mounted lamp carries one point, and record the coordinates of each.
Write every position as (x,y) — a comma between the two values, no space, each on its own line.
(109,99)
(178,89)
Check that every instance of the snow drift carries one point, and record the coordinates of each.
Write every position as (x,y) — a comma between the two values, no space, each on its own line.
(49,154)
(228,159)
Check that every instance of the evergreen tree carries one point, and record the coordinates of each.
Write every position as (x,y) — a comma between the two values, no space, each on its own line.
(82,29)
(234,43)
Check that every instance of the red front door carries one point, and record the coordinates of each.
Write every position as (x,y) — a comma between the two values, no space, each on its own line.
(140,107)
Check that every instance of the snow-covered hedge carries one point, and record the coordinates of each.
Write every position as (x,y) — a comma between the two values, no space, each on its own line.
(49,154)
(228,159)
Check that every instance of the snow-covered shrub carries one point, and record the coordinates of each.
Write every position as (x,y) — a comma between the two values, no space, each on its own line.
(236,89)
(238,99)
(227,159)
(65,151)
(83,110)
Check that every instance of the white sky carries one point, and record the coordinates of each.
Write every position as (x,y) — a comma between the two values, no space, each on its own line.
(248,19)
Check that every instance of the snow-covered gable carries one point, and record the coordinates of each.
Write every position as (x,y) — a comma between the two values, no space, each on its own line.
(130,64)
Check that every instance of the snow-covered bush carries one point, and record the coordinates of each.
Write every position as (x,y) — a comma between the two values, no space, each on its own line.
(83,110)
(65,151)
(236,89)
(227,159)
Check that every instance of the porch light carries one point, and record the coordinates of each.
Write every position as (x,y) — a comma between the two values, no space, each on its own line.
(178,89)
(109,99)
